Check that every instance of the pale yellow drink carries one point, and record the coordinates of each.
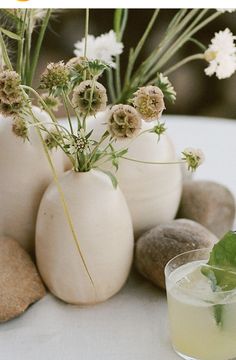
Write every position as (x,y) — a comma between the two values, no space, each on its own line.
(192,307)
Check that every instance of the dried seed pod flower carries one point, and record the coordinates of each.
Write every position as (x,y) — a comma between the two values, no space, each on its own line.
(52,102)
(149,102)
(193,157)
(79,64)
(11,95)
(89,97)
(20,128)
(56,76)
(124,122)
(52,139)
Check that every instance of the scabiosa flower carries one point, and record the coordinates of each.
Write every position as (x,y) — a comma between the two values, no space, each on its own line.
(166,87)
(52,102)
(55,77)
(89,97)
(221,55)
(149,102)
(52,139)
(11,96)
(78,63)
(124,122)
(20,128)
(193,158)
(103,47)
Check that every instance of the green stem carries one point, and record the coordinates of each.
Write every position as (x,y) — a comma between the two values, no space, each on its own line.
(152,162)
(86,32)
(67,112)
(5,56)
(64,203)
(110,84)
(133,56)
(20,53)
(38,46)
(185,37)
(183,62)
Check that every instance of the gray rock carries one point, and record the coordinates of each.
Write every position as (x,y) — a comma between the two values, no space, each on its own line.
(20,283)
(208,203)
(157,246)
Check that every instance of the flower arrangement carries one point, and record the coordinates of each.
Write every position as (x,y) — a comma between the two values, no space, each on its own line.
(138,97)
(141,96)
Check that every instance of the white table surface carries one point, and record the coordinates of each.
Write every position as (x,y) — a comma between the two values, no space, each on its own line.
(133,325)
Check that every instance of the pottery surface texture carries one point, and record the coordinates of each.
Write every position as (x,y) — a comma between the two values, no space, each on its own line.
(152,191)
(25,174)
(104,229)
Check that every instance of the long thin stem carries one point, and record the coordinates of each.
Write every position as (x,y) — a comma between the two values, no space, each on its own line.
(65,206)
(185,37)
(110,83)
(86,32)
(20,53)
(5,56)
(62,199)
(67,112)
(183,62)
(38,46)
(133,56)
(152,162)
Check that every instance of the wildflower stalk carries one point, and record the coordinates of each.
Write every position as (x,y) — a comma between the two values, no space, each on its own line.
(110,84)
(120,21)
(38,47)
(67,111)
(134,54)
(62,197)
(86,32)
(20,52)
(153,162)
(183,62)
(5,56)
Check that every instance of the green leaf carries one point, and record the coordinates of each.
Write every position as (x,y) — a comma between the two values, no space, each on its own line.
(10,34)
(222,263)
(221,269)
(111,176)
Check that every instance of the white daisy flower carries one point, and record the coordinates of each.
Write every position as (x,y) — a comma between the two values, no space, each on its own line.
(103,47)
(221,55)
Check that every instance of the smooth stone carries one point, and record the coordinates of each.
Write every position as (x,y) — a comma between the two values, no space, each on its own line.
(20,283)
(157,246)
(208,203)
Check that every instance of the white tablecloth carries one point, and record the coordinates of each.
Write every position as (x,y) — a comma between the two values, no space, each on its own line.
(133,325)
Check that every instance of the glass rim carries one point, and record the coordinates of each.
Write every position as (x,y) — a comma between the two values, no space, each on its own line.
(167,276)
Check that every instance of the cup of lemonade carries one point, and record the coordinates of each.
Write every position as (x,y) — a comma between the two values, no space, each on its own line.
(202,321)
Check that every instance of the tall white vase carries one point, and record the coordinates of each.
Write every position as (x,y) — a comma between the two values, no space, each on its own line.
(24,176)
(104,228)
(152,191)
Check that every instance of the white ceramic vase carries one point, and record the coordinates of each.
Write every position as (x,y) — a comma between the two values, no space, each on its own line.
(25,174)
(104,228)
(152,191)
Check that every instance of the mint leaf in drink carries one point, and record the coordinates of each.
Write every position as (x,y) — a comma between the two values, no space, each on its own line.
(221,269)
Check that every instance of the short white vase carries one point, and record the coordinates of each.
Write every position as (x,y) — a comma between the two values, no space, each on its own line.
(104,228)
(152,191)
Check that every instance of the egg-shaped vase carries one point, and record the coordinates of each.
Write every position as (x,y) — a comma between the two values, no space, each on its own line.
(25,174)
(152,191)
(103,225)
